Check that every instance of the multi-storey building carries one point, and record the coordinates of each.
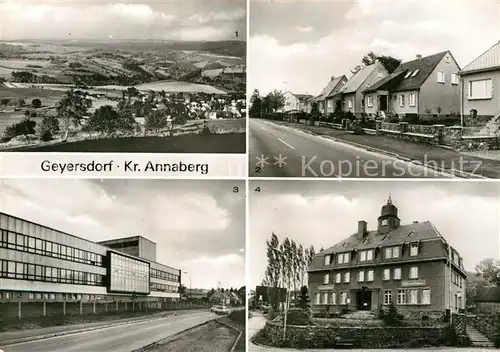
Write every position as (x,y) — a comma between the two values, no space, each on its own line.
(411,266)
(41,263)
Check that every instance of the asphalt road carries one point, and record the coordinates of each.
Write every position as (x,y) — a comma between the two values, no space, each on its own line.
(122,338)
(305,155)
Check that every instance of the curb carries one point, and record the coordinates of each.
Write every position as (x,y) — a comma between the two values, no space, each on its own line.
(240,333)
(450,172)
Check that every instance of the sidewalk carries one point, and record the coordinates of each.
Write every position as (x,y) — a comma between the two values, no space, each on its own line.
(10,337)
(410,151)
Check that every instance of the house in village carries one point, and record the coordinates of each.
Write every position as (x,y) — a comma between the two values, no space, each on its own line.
(325,98)
(488,300)
(427,85)
(480,83)
(219,297)
(295,102)
(350,97)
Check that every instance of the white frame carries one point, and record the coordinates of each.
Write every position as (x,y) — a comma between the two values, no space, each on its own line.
(413,99)
(399,271)
(370,276)
(481,97)
(414,272)
(456,80)
(387,277)
(412,252)
(326,279)
(361,276)
(438,76)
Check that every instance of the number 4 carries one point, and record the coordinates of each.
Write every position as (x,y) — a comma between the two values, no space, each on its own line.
(257,189)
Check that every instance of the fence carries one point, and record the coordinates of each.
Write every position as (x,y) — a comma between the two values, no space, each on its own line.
(32,310)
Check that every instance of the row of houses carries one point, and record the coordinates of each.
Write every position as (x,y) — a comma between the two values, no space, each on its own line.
(431,85)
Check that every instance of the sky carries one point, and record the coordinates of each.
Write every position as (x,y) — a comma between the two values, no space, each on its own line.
(323,213)
(298,45)
(193,20)
(198,226)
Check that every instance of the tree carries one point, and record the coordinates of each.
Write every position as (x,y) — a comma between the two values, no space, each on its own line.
(49,127)
(21,102)
(273,271)
(304,299)
(390,63)
(156,120)
(5,101)
(489,270)
(256,106)
(73,107)
(104,120)
(182,289)
(276,100)
(36,103)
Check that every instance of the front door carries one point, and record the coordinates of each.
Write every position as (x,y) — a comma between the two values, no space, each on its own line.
(364,300)
(382,102)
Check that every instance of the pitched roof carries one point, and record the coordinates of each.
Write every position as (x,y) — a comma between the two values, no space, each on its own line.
(488,60)
(420,231)
(355,82)
(396,80)
(331,87)
(488,294)
(303,97)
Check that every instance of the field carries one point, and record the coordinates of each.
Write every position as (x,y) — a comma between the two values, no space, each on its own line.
(173,86)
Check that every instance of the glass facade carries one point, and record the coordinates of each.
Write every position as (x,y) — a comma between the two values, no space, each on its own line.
(128,275)
(164,288)
(29,244)
(158,274)
(35,272)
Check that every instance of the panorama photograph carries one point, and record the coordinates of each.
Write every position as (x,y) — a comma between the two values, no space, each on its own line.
(120,265)
(105,76)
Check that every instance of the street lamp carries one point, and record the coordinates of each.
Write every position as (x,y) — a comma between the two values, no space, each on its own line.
(190,287)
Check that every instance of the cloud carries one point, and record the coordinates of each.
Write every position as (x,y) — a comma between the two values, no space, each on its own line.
(202,33)
(203,19)
(306,29)
(360,10)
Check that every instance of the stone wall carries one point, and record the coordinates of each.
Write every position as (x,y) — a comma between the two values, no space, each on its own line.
(363,337)
(487,324)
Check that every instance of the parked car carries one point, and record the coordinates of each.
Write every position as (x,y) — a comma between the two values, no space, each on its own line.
(265,308)
(214,308)
(222,310)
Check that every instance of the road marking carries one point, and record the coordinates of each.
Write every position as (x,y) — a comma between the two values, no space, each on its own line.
(285,143)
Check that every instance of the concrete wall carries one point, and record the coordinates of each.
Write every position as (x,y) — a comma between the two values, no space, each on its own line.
(445,95)
(147,249)
(406,109)
(483,106)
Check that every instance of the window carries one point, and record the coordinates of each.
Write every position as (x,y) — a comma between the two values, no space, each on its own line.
(387,274)
(440,77)
(349,103)
(337,278)
(402,104)
(369,254)
(388,253)
(480,89)
(369,101)
(414,272)
(370,276)
(31,295)
(325,298)
(391,252)
(397,274)
(327,259)
(426,296)
(334,298)
(326,279)
(387,297)
(361,276)
(447,59)
(401,297)
(317,298)
(340,258)
(362,256)
(415,73)
(343,258)
(395,252)
(454,78)
(343,297)
(408,74)
(414,249)
(413,100)
(384,223)
(347,277)
(413,296)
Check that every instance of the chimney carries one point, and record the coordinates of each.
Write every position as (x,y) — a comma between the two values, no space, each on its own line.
(362,232)
(332,78)
(419,57)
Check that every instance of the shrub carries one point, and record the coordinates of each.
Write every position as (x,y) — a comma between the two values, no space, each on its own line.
(46,136)
(25,127)
(297,316)
(392,317)
(33,114)
(36,103)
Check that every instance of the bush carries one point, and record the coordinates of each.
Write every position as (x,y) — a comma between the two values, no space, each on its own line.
(46,136)
(25,127)
(36,103)
(49,124)
(391,317)
(297,316)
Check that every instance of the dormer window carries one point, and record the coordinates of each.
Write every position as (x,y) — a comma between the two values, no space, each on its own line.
(343,258)
(415,73)
(392,252)
(366,255)
(328,259)
(408,74)
(384,222)
(414,249)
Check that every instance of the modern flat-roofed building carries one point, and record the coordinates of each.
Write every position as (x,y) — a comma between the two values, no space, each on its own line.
(41,263)
(411,266)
